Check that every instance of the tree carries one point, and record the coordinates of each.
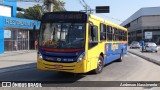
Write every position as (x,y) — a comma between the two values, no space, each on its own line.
(34,13)
(37,11)
(58,5)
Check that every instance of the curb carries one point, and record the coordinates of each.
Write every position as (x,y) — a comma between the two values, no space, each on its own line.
(18,67)
(146,58)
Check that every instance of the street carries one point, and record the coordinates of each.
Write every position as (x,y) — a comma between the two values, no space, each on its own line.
(153,55)
(132,68)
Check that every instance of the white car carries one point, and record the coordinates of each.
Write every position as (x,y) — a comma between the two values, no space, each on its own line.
(135,44)
(150,46)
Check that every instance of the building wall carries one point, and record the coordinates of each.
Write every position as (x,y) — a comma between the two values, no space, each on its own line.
(13,23)
(18,23)
(147,24)
(144,20)
(135,25)
(1,35)
(151,21)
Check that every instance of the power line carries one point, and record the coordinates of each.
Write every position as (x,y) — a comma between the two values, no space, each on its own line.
(87,6)
(82,4)
(116,19)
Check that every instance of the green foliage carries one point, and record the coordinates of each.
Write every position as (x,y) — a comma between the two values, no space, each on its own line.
(58,5)
(36,11)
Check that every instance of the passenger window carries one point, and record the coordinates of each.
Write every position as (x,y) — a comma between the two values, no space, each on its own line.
(116,35)
(103,32)
(109,33)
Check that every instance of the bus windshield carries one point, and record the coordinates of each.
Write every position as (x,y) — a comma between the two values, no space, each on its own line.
(62,35)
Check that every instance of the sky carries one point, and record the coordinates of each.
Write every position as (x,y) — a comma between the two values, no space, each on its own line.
(120,10)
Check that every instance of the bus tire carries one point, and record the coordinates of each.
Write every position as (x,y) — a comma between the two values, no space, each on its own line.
(121,57)
(100,66)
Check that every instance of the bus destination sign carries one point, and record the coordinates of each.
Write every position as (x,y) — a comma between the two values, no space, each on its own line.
(65,17)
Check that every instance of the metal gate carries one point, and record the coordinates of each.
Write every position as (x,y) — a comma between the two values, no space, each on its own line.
(16,39)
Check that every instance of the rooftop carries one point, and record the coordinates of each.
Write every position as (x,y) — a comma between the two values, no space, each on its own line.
(147,11)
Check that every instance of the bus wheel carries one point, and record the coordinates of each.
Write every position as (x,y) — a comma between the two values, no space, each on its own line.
(121,57)
(100,66)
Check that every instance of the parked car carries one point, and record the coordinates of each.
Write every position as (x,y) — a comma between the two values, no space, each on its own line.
(135,44)
(151,46)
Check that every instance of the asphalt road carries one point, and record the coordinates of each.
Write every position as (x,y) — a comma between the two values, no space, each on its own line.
(153,55)
(132,68)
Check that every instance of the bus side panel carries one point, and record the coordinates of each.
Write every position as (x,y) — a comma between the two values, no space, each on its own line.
(112,51)
(110,55)
(125,48)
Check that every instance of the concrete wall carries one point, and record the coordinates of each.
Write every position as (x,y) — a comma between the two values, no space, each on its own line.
(151,21)
(145,22)
(135,25)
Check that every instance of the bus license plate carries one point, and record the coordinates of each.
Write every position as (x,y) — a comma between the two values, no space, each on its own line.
(58,66)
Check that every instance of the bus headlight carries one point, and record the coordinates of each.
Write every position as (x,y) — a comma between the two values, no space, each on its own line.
(81,57)
(40,56)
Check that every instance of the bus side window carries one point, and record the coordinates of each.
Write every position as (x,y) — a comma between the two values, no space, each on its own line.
(116,34)
(103,32)
(120,34)
(109,33)
(93,36)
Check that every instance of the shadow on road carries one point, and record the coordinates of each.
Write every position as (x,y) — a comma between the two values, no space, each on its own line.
(29,72)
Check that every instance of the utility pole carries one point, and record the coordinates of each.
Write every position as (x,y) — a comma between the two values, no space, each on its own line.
(86,7)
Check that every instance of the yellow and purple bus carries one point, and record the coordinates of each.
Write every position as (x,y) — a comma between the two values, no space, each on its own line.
(77,42)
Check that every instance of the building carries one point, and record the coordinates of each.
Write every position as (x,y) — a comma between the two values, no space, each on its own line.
(144,25)
(15,33)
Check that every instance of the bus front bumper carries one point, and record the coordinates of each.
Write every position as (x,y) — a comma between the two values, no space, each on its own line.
(76,67)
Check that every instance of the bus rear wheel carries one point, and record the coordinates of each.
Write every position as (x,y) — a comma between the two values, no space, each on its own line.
(100,66)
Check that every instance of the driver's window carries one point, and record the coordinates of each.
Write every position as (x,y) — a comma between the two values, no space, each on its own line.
(93,36)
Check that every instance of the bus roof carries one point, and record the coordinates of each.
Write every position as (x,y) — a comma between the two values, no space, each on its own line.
(107,22)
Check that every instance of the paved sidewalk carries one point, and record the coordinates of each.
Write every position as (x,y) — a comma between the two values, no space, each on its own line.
(150,56)
(16,60)
(13,53)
